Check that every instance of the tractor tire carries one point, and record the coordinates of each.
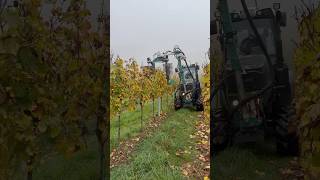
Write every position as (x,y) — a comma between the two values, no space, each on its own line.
(199,104)
(177,103)
(199,107)
(286,132)
(220,134)
(197,100)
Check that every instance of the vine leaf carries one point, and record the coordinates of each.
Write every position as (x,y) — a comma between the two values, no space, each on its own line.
(28,58)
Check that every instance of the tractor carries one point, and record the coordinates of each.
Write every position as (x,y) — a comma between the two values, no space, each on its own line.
(252,97)
(188,92)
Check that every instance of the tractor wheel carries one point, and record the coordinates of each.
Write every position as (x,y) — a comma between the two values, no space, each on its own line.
(220,135)
(199,107)
(286,132)
(198,103)
(177,103)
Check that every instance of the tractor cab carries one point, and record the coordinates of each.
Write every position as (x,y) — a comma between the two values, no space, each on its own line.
(254,98)
(189,90)
(268,23)
(256,72)
(254,63)
(190,77)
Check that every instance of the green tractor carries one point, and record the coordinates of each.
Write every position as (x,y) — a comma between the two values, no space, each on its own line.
(253,98)
(188,92)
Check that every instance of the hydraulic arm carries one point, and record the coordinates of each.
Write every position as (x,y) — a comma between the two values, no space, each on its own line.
(188,91)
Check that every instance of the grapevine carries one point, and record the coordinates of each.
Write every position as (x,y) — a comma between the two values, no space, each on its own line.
(55,83)
(133,86)
(307,96)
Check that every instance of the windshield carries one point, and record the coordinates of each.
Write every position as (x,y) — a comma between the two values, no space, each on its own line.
(187,74)
(247,43)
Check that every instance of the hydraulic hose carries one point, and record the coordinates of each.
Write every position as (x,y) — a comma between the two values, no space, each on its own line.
(186,64)
(189,69)
(219,86)
(248,99)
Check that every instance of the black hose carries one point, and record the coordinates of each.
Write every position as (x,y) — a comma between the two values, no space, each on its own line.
(219,86)
(187,64)
(189,70)
(244,101)
(248,99)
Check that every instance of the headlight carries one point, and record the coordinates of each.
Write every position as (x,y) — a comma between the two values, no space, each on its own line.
(183,94)
(235,103)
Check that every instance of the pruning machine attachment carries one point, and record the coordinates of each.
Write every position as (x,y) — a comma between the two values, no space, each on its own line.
(188,92)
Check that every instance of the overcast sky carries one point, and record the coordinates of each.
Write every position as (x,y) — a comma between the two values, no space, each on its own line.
(140,28)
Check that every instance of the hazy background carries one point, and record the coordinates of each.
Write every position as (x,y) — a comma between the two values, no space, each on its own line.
(140,28)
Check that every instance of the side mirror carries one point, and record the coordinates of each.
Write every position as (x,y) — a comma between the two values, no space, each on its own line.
(213,27)
(282,18)
(176,69)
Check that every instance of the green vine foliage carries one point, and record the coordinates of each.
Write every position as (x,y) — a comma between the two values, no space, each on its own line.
(307,65)
(205,81)
(52,82)
(119,91)
(132,86)
(216,64)
(134,74)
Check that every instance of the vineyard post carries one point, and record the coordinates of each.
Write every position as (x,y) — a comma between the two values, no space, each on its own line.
(29,175)
(153,106)
(142,96)
(141,117)
(119,117)
(31,158)
(161,103)
(29,169)
(103,123)
(168,102)
(159,106)
(153,87)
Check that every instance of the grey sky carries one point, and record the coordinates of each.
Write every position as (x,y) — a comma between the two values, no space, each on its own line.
(140,28)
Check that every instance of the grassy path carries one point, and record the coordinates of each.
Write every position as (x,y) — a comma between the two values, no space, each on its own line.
(156,157)
(251,161)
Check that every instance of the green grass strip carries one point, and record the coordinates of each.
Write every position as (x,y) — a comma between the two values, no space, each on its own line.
(155,157)
(249,161)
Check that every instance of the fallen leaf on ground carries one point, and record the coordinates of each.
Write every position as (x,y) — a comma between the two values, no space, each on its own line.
(260,173)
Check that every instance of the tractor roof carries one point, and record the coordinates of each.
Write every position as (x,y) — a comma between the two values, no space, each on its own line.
(256,14)
(191,66)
